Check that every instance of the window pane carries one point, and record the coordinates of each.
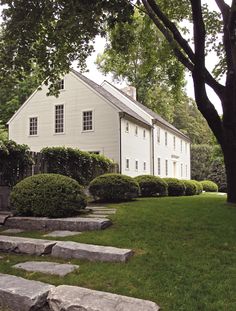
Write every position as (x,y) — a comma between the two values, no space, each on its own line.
(59,118)
(33,126)
(87,120)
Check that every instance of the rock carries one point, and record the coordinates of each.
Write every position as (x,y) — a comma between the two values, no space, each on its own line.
(46,224)
(3,218)
(25,245)
(19,294)
(72,298)
(13,231)
(90,252)
(47,267)
(62,234)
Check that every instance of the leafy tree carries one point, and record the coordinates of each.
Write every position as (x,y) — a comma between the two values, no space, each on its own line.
(3,132)
(54,33)
(201,159)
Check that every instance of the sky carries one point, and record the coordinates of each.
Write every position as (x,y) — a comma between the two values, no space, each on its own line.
(99,45)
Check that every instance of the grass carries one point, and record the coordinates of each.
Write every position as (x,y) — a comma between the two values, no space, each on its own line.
(185,254)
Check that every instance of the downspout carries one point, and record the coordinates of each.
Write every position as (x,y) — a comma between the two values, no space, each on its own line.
(121,115)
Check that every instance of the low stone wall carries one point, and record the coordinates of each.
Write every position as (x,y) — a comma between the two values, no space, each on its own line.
(4,198)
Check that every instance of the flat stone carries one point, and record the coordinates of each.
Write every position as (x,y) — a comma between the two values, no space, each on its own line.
(90,252)
(62,234)
(47,267)
(13,231)
(104,212)
(25,245)
(46,224)
(19,294)
(3,218)
(100,208)
(72,298)
(97,216)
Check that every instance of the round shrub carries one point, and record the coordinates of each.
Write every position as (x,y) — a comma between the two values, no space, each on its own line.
(114,188)
(48,195)
(209,186)
(191,187)
(176,187)
(151,185)
(199,186)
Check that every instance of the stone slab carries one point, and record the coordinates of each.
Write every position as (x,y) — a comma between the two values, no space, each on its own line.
(90,252)
(3,218)
(62,234)
(25,245)
(46,224)
(72,298)
(19,294)
(104,212)
(101,208)
(47,267)
(13,231)
(97,216)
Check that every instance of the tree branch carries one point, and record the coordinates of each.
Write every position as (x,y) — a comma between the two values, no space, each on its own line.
(225,10)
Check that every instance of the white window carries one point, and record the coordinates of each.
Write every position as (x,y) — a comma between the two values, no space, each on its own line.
(158,135)
(144,134)
(127,127)
(33,126)
(87,120)
(136,165)
(186,146)
(181,170)
(181,145)
(166,139)
(159,166)
(127,164)
(144,166)
(61,84)
(166,167)
(174,142)
(59,119)
(136,130)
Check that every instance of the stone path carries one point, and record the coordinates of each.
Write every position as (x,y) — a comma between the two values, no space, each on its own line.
(90,252)
(63,249)
(62,234)
(12,231)
(47,267)
(24,295)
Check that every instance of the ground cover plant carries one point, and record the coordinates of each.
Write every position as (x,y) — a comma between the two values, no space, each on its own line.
(185,254)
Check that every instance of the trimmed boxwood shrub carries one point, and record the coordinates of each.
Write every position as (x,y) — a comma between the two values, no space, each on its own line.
(176,187)
(151,185)
(199,186)
(48,195)
(209,186)
(114,188)
(191,187)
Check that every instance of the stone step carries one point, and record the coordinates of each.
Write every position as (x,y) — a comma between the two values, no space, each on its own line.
(46,224)
(97,216)
(71,298)
(101,208)
(47,267)
(104,212)
(90,252)
(25,245)
(12,231)
(19,294)
(62,234)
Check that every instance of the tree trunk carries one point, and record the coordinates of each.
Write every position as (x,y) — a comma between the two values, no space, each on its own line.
(230,166)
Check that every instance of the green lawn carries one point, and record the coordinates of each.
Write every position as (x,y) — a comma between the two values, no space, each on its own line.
(185,254)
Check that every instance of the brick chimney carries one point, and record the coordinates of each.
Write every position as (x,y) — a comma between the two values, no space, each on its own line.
(130,90)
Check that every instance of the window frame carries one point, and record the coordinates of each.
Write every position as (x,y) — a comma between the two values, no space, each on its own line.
(136,130)
(166,167)
(29,124)
(127,127)
(127,161)
(82,123)
(166,138)
(136,165)
(63,132)
(159,166)
(158,135)
(144,166)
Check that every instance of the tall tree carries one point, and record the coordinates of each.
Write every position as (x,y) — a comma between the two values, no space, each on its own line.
(54,33)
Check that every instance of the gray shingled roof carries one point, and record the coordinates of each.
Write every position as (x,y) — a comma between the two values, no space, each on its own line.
(112,99)
(152,113)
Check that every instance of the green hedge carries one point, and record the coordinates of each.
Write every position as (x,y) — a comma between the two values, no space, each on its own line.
(114,188)
(191,188)
(79,165)
(176,187)
(14,161)
(151,185)
(199,186)
(48,195)
(209,186)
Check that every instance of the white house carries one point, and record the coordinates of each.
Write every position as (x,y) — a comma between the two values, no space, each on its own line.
(102,119)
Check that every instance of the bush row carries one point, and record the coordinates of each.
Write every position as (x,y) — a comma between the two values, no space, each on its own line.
(79,165)
(117,187)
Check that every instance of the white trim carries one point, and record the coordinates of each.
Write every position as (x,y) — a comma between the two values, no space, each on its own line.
(28,126)
(136,161)
(127,168)
(54,118)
